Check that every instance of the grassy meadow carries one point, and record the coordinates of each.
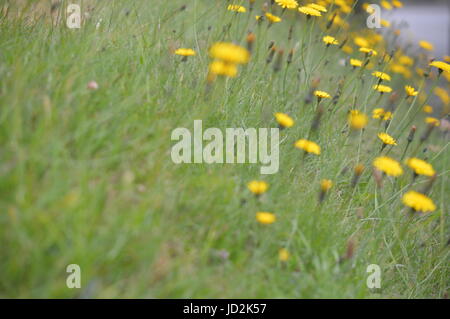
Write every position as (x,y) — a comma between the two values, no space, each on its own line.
(86,175)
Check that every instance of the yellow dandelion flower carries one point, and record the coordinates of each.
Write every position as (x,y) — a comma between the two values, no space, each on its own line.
(428,109)
(368,51)
(230,53)
(420,167)
(432,120)
(361,42)
(387,116)
(378,113)
(385,23)
(381,75)
(325,185)
(442,94)
(218,67)
(388,165)
(410,91)
(272,18)
(382,88)
(357,120)
(322,94)
(308,146)
(442,66)
(426,45)
(386,5)
(310,11)
(317,7)
(405,60)
(397,3)
(287,4)
(184,52)
(284,120)
(328,40)
(265,218)
(236,8)
(283,254)
(355,63)
(258,187)
(418,201)
(387,139)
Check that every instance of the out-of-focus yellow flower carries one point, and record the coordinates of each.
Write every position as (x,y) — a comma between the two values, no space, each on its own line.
(219,67)
(287,4)
(328,40)
(378,113)
(442,94)
(368,51)
(272,18)
(230,53)
(355,63)
(433,121)
(317,7)
(420,167)
(283,254)
(325,185)
(418,201)
(405,60)
(322,94)
(381,75)
(442,66)
(426,45)
(308,146)
(284,120)
(397,3)
(310,11)
(410,91)
(428,109)
(347,49)
(184,52)
(382,88)
(388,165)
(386,5)
(361,42)
(258,187)
(357,120)
(387,139)
(385,23)
(236,8)
(265,218)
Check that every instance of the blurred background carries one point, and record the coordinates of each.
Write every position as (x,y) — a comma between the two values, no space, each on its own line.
(427,20)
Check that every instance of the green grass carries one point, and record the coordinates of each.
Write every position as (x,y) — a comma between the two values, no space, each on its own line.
(86,176)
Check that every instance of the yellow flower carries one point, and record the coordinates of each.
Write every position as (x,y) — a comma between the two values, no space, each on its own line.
(428,109)
(410,91)
(287,4)
(283,254)
(405,60)
(265,218)
(387,116)
(310,11)
(230,53)
(355,63)
(325,185)
(426,45)
(357,120)
(432,120)
(347,49)
(368,51)
(308,146)
(284,120)
(236,8)
(388,165)
(442,94)
(272,18)
(329,40)
(381,75)
(222,68)
(441,65)
(361,42)
(378,113)
(318,7)
(184,52)
(382,88)
(387,139)
(258,187)
(397,3)
(385,4)
(322,94)
(418,201)
(420,167)
(385,23)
